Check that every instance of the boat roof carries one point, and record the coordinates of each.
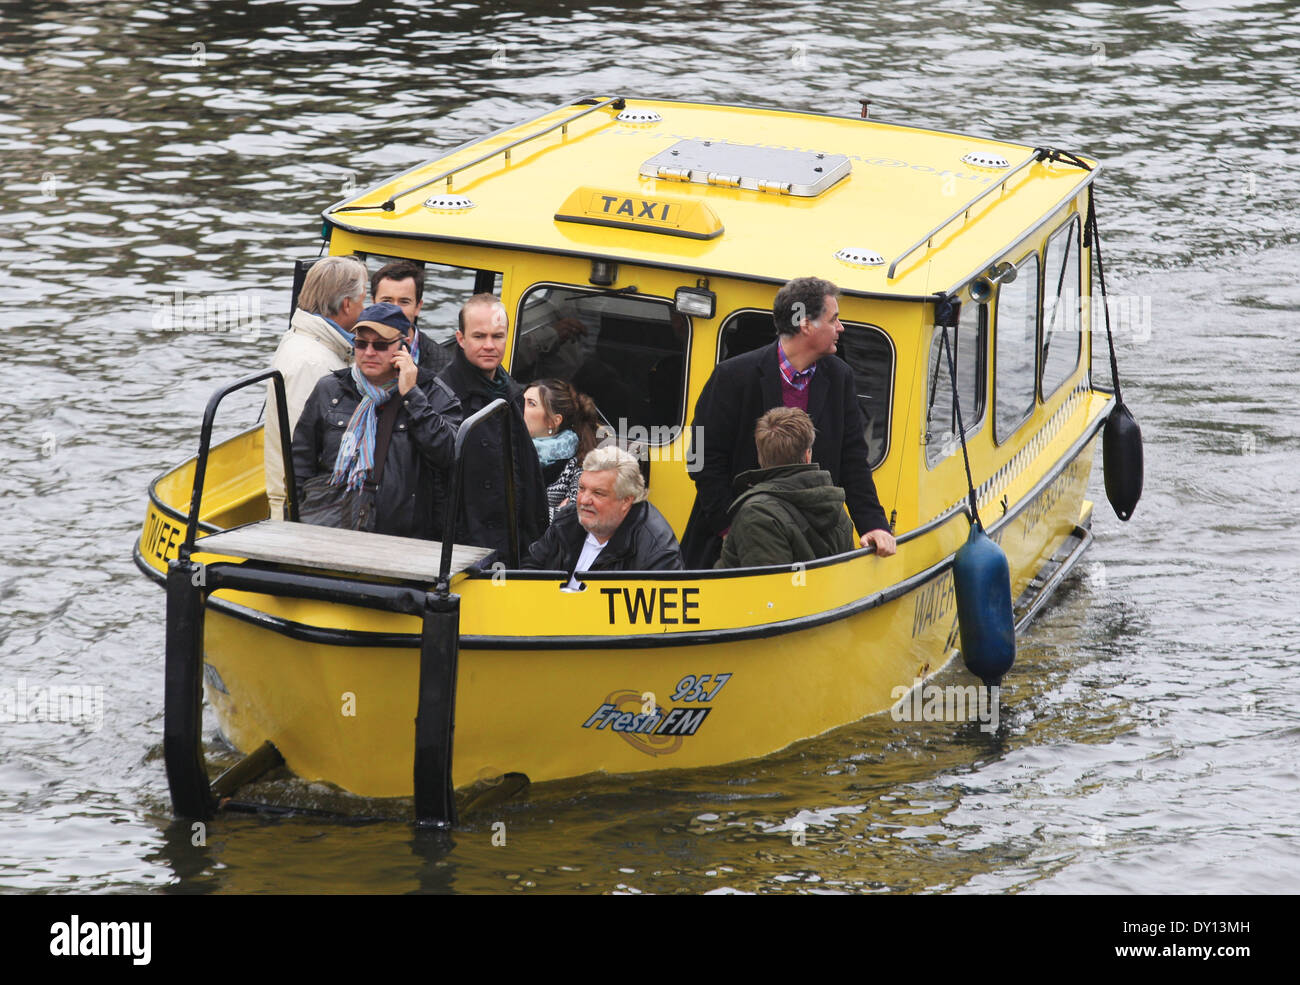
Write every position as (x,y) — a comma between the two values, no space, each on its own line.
(881,209)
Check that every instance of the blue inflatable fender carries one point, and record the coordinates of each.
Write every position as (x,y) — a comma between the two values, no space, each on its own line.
(982,582)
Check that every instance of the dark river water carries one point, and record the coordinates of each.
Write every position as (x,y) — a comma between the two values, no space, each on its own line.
(1153,722)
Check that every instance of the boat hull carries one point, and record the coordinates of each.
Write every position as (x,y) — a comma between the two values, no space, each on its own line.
(551,707)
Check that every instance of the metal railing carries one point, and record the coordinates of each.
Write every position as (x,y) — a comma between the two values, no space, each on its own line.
(456,493)
(390,204)
(1038,154)
(205,445)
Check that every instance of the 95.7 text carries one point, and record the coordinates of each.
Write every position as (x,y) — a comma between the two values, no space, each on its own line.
(692,688)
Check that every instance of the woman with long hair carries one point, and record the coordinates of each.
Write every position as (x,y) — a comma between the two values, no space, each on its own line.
(562,422)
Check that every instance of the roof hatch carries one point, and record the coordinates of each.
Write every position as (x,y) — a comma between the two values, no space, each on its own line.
(762,169)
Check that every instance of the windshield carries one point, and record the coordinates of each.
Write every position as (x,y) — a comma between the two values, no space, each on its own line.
(626,352)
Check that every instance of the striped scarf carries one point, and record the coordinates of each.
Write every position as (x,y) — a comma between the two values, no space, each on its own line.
(356,458)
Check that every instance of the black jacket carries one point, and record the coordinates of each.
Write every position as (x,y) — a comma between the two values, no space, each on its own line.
(434,358)
(738,393)
(644,541)
(420,451)
(483,501)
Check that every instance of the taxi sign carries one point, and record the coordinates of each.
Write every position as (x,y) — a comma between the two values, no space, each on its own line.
(651,214)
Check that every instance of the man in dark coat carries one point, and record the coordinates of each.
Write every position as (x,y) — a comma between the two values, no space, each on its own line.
(612,527)
(423,436)
(402,283)
(476,377)
(799,370)
(790,511)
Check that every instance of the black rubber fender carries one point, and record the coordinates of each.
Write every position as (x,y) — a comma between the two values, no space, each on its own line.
(1121,454)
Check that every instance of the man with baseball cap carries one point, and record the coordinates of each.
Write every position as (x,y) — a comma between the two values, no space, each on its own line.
(382,426)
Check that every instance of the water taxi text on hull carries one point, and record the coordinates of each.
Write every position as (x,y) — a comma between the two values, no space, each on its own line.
(664,229)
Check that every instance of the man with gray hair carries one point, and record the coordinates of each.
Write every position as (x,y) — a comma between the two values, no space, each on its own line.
(319,341)
(612,528)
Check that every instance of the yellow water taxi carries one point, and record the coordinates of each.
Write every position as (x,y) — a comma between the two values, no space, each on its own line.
(664,229)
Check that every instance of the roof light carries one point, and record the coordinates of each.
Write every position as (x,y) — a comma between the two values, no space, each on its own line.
(857,256)
(983,159)
(603,272)
(642,116)
(981,288)
(449,203)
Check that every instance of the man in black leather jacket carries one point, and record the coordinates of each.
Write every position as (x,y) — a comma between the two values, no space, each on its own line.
(422,446)
(612,527)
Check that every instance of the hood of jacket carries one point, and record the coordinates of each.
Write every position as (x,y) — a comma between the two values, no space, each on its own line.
(805,487)
(317,328)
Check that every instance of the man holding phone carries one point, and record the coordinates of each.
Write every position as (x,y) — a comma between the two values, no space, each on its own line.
(382,427)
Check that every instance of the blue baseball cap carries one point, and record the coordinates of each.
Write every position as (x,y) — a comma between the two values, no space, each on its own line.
(387,320)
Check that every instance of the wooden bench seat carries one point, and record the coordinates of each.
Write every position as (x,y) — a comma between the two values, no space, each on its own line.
(306,545)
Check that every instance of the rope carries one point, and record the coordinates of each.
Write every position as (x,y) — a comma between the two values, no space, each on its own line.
(1095,239)
(961,431)
(1066,157)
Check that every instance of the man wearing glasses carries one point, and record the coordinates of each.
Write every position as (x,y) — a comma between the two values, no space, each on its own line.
(383,430)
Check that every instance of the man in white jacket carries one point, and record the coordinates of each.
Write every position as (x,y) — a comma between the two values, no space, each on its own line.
(319,341)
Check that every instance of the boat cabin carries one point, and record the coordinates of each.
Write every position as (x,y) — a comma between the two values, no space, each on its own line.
(637,243)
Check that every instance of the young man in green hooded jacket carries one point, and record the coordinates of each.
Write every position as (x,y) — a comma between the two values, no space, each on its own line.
(790,510)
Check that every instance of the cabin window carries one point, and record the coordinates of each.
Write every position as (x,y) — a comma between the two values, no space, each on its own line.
(744,332)
(1061,326)
(446,288)
(1016,339)
(627,352)
(866,348)
(967,343)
